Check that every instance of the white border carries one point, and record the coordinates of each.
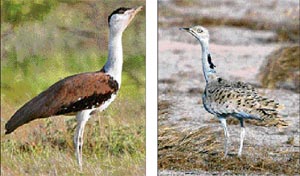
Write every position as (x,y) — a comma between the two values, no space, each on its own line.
(151,88)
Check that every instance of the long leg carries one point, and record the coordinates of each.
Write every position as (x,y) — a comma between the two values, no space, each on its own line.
(243,132)
(223,122)
(82,117)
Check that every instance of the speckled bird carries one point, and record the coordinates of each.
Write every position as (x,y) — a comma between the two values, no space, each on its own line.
(224,98)
(85,93)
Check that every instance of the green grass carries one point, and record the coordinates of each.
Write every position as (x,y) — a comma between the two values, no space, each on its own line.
(35,74)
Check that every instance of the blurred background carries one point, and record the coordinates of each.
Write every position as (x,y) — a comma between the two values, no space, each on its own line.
(256,42)
(45,41)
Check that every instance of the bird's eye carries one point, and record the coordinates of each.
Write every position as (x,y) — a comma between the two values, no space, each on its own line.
(199,30)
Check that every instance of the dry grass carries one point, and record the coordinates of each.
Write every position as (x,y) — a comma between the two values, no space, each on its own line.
(180,150)
(185,3)
(114,144)
(281,69)
(200,150)
(285,32)
(278,122)
(163,107)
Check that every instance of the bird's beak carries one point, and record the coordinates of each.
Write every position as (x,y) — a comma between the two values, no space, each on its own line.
(136,10)
(185,29)
(133,12)
(189,30)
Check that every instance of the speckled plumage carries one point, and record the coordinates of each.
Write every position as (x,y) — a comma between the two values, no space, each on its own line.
(238,99)
(224,98)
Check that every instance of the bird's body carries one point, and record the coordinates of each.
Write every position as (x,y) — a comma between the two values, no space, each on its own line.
(224,98)
(84,93)
(238,99)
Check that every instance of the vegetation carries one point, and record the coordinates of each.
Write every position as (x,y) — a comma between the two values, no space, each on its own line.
(285,32)
(281,69)
(17,12)
(202,149)
(42,46)
(189,143)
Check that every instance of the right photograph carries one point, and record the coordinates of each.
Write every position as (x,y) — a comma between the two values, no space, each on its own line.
(228,87)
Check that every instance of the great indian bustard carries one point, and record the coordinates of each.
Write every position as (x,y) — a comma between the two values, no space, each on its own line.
(83,93)
(223,98)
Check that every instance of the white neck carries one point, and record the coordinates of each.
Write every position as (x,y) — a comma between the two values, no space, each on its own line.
(209,73)
(114,63)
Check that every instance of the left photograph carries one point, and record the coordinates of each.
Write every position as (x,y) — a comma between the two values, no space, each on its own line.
(73,88)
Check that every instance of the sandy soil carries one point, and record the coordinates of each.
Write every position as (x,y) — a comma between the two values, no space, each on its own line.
(238,54)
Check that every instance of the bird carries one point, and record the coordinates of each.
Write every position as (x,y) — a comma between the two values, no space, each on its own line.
(224,98)
(82,94)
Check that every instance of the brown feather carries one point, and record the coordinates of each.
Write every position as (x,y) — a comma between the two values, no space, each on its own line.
(70,95)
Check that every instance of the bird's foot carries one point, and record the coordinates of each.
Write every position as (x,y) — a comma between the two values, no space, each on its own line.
(240,154)
(225,155)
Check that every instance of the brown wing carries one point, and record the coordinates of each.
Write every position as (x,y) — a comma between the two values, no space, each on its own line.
(240,99)
(72,94)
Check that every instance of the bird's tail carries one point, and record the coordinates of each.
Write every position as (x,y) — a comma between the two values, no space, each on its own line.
(11,125)
(268,111)
(21,117)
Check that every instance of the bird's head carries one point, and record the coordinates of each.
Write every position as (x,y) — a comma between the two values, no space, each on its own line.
(119,19)
(199,32)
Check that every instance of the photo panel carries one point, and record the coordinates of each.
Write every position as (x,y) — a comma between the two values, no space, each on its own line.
(226,69)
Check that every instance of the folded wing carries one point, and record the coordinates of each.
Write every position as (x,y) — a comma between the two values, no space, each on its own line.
(70,95)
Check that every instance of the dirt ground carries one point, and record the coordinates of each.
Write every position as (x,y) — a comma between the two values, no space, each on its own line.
(239,53)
